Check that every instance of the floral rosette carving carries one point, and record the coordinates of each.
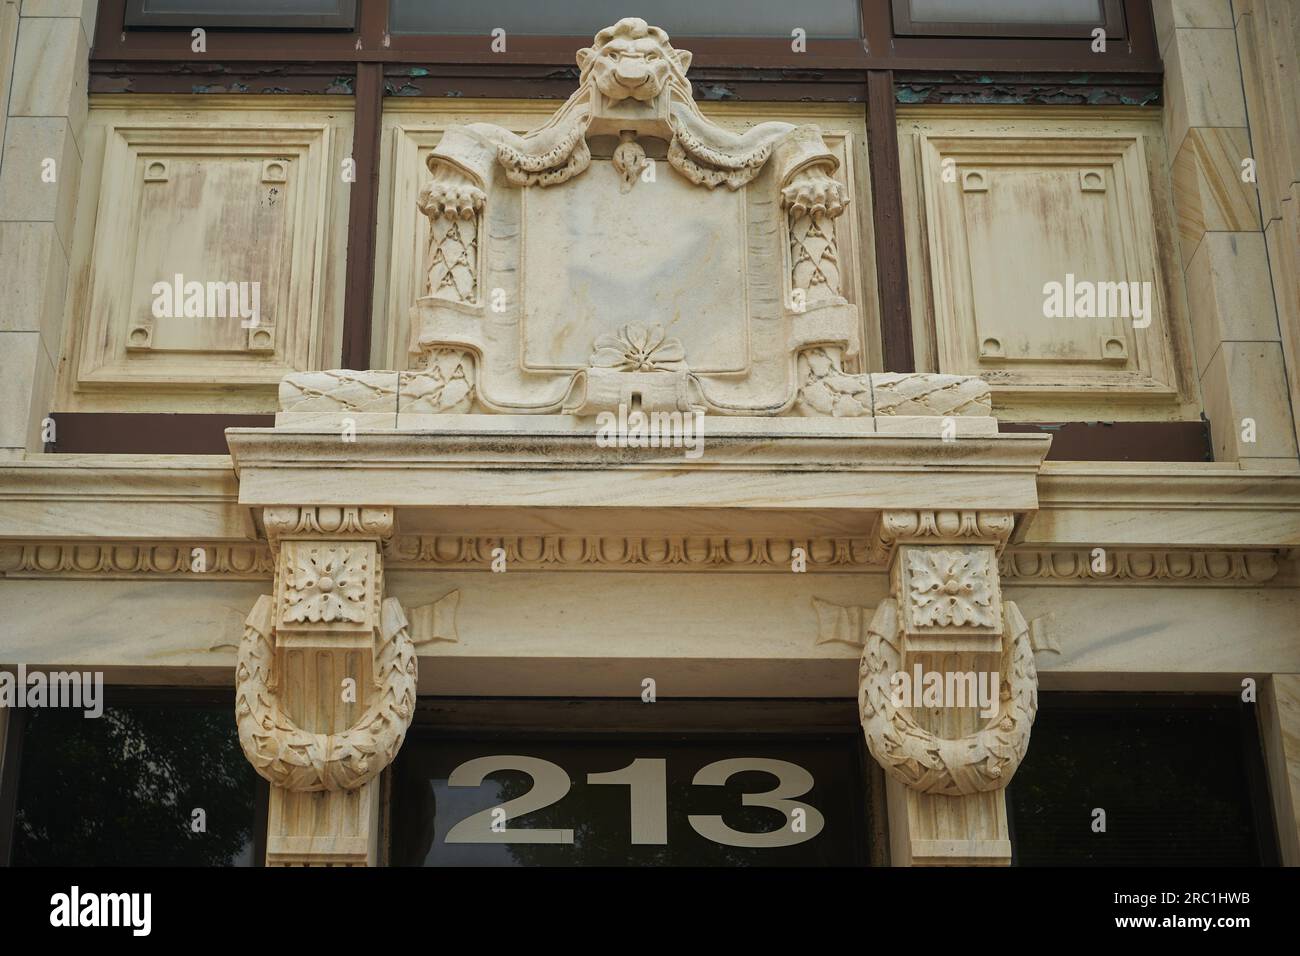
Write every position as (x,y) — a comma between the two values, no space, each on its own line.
(951,588)
(326,585)
(635,348)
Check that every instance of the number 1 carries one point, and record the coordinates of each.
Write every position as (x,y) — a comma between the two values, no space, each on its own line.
(648,778)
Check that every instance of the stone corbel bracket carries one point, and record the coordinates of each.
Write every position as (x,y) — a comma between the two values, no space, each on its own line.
(946,605)
(923,760)
(295,759)
(329,597)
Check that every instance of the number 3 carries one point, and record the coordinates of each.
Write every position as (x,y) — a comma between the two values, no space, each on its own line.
(792,781)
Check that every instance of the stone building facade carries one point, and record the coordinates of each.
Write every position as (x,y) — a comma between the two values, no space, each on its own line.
(467,405)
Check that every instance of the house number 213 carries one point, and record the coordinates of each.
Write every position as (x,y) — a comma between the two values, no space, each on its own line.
(646,779)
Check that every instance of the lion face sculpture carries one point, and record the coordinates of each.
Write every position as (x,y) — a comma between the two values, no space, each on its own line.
(632,60)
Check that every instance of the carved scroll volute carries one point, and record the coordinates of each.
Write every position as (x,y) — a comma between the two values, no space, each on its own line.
(326,684)
(947,625)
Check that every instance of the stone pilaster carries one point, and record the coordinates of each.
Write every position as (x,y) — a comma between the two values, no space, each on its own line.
(1238,345)
(947,760)
(325,685)
(1279,719)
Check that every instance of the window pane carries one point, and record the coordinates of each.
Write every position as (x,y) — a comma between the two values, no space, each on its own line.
(628,801)
(1173,777)
(242,13)
(122,788)
(1006,11)
(828,19)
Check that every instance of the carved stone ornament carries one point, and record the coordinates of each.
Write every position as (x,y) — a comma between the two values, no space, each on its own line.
(951,588)
(924,761)
(604,289)
(565,272)
(299,655)
(295,759)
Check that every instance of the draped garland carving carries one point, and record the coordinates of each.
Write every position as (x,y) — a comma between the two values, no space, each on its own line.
(919,758)
(296,759)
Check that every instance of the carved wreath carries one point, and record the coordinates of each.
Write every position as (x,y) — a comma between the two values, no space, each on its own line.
(296,759)
(985,760)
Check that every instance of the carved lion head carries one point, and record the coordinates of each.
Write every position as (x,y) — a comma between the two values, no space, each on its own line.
(633,60)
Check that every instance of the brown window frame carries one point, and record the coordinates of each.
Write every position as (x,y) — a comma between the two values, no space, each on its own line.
(880,46)
(1112,22)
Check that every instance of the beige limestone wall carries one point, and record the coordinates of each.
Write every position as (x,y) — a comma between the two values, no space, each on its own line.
(44,47)
(1245,360)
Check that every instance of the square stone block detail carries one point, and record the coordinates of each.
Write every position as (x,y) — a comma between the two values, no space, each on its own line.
(949,597)
(1202,83)
(1245,380)
(25,195)
(327,586)
(1209,194)
(50,70)
(1229,293)
(33,274)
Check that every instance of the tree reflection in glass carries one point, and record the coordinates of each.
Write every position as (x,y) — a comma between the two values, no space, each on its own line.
(122,789)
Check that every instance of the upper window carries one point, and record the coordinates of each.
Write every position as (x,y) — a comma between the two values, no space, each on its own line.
(300,14)
(1009,18)
(825,19)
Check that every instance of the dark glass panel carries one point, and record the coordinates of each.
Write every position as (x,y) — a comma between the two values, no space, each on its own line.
(1174,775)
(825,19)
(121,789)
(426,808)
(301,14)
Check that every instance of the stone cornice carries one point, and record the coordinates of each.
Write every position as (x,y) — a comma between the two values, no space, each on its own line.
(809,465)
(169,501)
(123,497)
(1130,566)
(1182,506)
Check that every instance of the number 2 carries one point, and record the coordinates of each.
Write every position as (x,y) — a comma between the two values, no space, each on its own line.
(550,784)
